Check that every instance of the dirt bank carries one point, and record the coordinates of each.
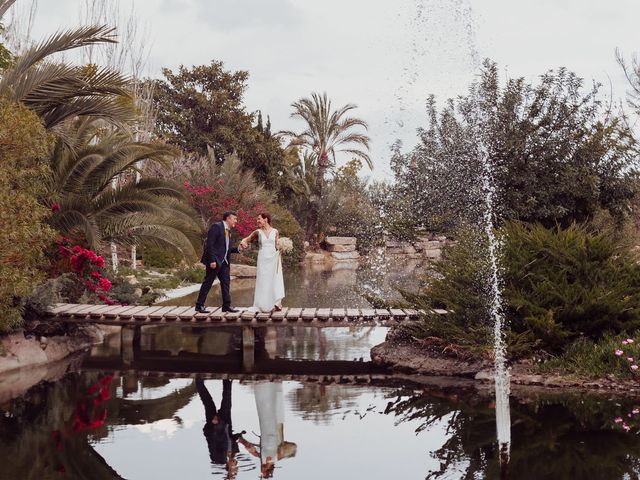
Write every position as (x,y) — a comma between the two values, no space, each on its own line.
(430,359)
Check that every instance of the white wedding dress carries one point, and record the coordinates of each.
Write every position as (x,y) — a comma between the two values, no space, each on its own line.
(269,280)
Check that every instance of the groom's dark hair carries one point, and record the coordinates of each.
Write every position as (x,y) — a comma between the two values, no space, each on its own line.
(226,215)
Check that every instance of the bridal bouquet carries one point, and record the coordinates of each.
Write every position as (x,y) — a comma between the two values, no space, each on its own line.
(285,245)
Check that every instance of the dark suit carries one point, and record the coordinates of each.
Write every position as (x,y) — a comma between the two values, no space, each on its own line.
(215,250)
(221,440)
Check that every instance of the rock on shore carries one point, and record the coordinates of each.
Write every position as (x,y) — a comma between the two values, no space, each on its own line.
(19,351)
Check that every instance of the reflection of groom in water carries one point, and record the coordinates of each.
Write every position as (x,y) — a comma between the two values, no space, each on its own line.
(222,443)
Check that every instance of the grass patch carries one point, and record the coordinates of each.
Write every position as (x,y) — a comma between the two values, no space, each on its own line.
(598,359)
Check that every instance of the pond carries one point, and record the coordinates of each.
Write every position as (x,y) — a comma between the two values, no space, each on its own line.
(314,407)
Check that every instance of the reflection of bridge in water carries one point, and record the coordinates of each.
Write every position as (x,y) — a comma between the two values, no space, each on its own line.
(161,358)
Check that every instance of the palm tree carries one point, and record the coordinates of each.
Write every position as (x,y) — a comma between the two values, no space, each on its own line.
(327,134)
(58,91)
(149,210)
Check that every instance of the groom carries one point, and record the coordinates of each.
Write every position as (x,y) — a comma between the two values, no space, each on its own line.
(216,260)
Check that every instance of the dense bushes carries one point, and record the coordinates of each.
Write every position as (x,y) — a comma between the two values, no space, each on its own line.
(559,285)
(24,234)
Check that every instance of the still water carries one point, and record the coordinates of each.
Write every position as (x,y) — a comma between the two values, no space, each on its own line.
(312,407)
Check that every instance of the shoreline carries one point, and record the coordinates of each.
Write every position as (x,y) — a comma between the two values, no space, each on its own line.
(412,360)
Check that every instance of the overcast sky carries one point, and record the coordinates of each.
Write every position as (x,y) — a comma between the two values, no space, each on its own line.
(385,56)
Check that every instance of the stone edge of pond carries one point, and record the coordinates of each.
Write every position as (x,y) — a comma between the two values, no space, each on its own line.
(21,352)
(416,364)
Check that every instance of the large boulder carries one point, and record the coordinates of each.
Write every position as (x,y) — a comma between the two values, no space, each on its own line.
(345,256)
(340,240)
(243,271)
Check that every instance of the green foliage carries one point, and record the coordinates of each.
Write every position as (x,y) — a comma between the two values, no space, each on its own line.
(564,283)
(202,108)
(459,286)
(62,289)
(326,133)
(587,358)
(158,257)
(347,208)
(24,235)
(6,57)
(93,212)
(559,154)
(59,92)
(558,285)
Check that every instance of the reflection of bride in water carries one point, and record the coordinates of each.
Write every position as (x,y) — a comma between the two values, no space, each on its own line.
(273,447)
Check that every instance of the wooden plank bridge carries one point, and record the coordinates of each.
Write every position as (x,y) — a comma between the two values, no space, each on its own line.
(133,318)
(157,315)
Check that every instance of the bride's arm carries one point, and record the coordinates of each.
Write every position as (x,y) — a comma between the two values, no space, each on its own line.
(250,239)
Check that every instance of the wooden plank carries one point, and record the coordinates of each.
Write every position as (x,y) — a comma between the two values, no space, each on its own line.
(279,316)
(263,316)
(231,317)
(338,314)
(130,312)
(187,315)
(160,313)
(217,315)
(353,314)
(174,315)
(74,308)
(398,314)
(308,314)
(99,310)
(368,313)
(293,315)
(247,316)
(382,313)
(60,307)
(145,313)
(113,311)
(85,311)
(410,313)
(323,314)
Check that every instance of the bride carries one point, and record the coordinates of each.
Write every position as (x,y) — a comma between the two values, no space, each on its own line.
(269,281)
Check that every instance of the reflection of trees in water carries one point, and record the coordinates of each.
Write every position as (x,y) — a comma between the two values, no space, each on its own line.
(318,403)
(176,339)
(559,437)
(41,439)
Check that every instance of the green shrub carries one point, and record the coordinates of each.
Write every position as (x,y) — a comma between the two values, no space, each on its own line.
(191,275)
(24,234)
(160,257)
(597,359)
(558,285)
(561,284)
(459,286)
(62,289)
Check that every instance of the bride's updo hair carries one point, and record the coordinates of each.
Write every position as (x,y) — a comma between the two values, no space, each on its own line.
(266,216)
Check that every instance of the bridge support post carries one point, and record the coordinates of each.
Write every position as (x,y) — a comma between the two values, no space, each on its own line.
(248,348)
(129,342)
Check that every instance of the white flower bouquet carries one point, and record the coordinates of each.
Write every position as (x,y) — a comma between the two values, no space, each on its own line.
(285,245)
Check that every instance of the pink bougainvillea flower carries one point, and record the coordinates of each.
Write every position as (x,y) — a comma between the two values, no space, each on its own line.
(624,342)
(634,367)
(55,207)
(635,411)
(626,427)
(630,359)
(96,274)
(619,353)
(104,284)
(629,340)
(618,420)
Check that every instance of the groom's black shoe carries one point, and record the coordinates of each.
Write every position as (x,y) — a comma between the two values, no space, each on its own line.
(201,309)
(230,310)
